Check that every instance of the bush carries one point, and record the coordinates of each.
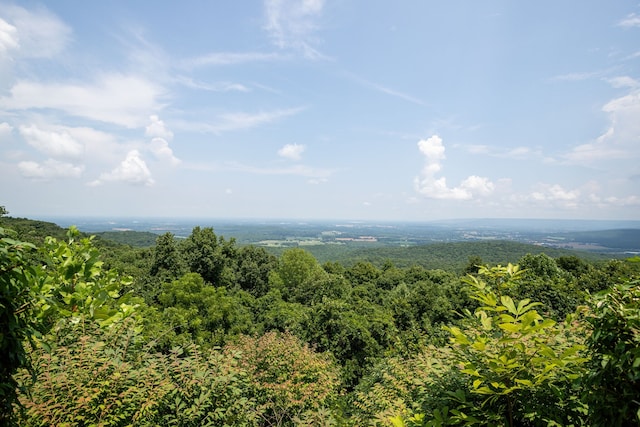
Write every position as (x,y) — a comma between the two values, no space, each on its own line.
(103,378)
(289,380)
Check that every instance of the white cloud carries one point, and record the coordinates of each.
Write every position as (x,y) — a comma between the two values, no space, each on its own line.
(291,151)
(238,121)
(8,37)
(5,130)
(555,193)
(230,58)
(52,143)
(159,144)
(157,129)
(292,24)
(211,87)
(632,20)
(317,181)
(578,76)
(133,170)
(160,148)
(478,185)
(33,33)
(114,98)
(478,149)
(386,90)
(50,169)
(621,139)
(430,186)
(623,82)
(623,201)
(320,175)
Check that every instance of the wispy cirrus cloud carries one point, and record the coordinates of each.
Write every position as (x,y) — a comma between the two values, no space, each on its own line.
(35,33)
(620,141)
(578,76)
(293,24)
(230,58)
(49,169)
(124,100)
(516,153)
(211,87)
(631,20)
(385,90)
(315,174)
(228,122)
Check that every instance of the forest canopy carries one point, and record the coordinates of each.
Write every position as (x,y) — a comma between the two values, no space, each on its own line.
(203,331)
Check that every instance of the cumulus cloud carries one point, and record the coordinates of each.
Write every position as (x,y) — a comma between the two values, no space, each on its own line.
(160,137)
(49,169)
(132,170)
(52,143)
(292,24)
(431,186)
(555,193)
(32,33)
(291,151)
(124,100)
(157,129)
(160,148)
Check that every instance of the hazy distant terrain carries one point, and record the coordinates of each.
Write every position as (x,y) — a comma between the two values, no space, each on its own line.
(608,237)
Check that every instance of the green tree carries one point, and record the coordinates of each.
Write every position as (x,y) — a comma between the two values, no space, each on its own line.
(352,336)
(191,310)
(167,263)
(297,275)
(612,383)
(3,211)
(253,265)
(210,256)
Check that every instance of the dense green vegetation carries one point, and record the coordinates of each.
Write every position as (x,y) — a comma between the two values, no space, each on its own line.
(203,331)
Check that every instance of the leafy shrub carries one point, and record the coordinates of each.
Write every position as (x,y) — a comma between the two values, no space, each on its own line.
(612,384)
(17,318)
(519,368)
(288,379)
(104,378)
(402,386)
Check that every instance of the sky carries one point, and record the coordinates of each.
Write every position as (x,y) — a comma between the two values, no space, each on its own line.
(321,109)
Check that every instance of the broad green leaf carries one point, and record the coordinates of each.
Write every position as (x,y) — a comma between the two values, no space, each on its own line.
(509,304)
(511,327)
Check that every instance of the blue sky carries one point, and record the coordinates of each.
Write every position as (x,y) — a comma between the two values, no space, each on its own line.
(321,109)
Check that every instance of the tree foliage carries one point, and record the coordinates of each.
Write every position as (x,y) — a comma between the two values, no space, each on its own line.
(612,384)
(228,335)
(18,321)
(288,378)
